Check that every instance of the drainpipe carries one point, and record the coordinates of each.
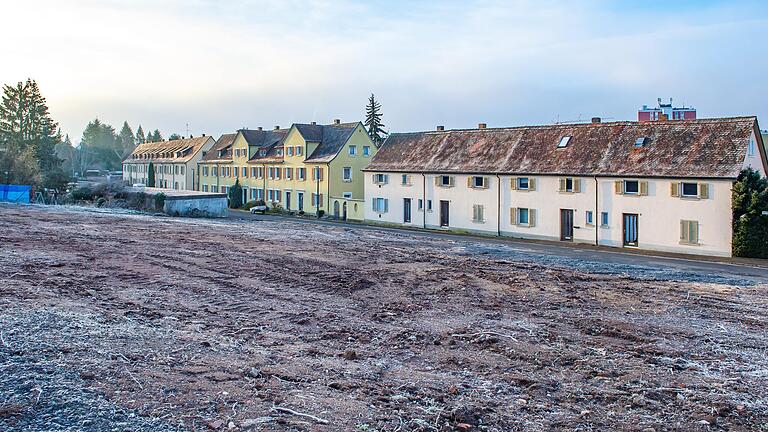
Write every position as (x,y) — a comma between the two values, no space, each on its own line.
(498,207)
(424,199)
(328,186)
(264,177)
(596,215)
(316,174)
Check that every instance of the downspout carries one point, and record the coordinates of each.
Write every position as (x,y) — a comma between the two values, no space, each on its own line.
(328,184)
(316,174)
(498,207)
(596,215)
(424,199)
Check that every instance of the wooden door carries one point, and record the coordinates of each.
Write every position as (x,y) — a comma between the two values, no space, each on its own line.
(406,210)
(630,229)
(566,224)
(444,214)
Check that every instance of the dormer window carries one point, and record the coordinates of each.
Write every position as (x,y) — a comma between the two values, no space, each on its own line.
(279,152)
(564,141)
(640,142)
(262,152)
(751,148)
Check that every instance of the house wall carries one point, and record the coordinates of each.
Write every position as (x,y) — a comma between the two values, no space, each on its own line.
(659,213)
(338,186)
(183,179)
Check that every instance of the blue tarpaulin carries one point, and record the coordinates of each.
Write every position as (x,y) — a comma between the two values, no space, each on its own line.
(15,193)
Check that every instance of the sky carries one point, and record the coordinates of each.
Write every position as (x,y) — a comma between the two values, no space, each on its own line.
(218,66)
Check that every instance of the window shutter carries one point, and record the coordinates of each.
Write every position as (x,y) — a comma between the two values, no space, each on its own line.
(703,190)
(513,183)
(532,184)
(619,187)
(474,213)
(532,217)
(693,234)
(683,231)
(480,214)
(643,188)
(374,179)
(485,182)
(576,185)
(674,189)
(469,181)
(562,185)
(437,180)
(374,204)
(513,216)
(450,181)
(386,204)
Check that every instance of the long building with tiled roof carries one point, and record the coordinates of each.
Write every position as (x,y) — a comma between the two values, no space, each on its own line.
(306,168)
(655,185)
(174,163)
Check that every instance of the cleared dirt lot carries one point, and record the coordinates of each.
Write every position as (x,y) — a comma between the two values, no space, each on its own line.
(131,322)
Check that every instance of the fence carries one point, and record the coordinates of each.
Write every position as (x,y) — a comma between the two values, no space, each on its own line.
(15,193)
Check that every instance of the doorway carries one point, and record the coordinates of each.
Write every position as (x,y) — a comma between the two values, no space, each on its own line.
(301,201)
(288,200)
(566,225)
(444,214)
(344,211)
(630,229)
(406,210)
(336,213)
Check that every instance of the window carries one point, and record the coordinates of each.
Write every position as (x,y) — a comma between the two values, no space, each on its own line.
(298,150)
(477,213)
(205,188)
(352,150)
(347,195)
(215,171)
(347,174)
(604,219)
(277,195)
(214,189)
(279,152)
(288,173)
(751,148)
(380,205)
(690,189)
(477,182)
(420,204)
(405,180)
(205,171)
(631,187)
(277,173)
(444,181)
(523,183)
(689,232)
(271,195)
(523,217)
(260,172)
(317,200)
(263,152)
(260,194)
(429,205)
(564,142)
(640,142)
(302,173)
(289,151)
(253,193)
(588,218)
(570,185)
(182,170)
(317,174)
(236,170)
(254,171)
(366,150)
(175,169)
(380,179)
(245,171)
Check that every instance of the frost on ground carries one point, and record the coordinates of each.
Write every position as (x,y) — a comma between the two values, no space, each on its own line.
(127,322)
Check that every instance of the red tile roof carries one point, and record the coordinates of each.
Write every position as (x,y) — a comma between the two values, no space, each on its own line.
(702,148)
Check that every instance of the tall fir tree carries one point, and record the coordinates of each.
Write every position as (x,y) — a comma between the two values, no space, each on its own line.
(140,138)
(127,140)
(236,195)
(156,137)
(151,175)
(26,127)
(373,121)
(102,141)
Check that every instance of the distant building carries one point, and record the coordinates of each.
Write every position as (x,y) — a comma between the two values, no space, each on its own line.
(174,163)
(764,134)
(665,111)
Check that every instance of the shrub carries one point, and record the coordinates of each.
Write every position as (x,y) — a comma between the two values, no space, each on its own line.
(320,213)
(249,205)
(236,195)
(159,201)
(81,194)
(750,226)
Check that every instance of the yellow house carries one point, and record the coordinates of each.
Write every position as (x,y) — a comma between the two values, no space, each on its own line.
(307,168)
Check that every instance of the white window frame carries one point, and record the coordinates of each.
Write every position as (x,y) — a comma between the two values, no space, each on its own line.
(519,184)
(366,150)
(626,191)
(605,219)
(682,190)
(353,150)
(344,176)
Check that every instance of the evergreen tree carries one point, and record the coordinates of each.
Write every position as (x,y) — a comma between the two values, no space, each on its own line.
(28,134)
(100,139)
(236,195)
(127,140)
(66,152)
(750,226)
(174,136)
(156,137)
(140,139)
(151,175)
(373,121)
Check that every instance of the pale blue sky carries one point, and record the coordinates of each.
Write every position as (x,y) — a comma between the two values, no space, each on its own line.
(221,65)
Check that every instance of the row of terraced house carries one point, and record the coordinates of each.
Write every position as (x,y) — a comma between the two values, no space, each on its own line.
(656,185)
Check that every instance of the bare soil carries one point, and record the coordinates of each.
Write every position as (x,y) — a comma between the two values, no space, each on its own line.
(112,321)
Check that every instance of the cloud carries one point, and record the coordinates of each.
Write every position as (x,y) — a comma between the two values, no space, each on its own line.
(224,65)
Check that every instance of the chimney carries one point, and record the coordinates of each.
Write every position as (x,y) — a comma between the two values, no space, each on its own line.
(663,117)
(336,121)
(481,125)
(441,128)
(596,120)
(313,123)
(203,135)
(277,127)
(259,127)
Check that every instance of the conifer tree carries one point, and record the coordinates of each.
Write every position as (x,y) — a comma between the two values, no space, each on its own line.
(373,121)
(140,138)
(151,175)
(236,195)
(127,140)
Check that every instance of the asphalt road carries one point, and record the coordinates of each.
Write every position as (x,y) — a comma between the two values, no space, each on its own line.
(609,260)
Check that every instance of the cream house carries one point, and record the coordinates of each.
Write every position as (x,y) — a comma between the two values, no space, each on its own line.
(174,163)
(662,186)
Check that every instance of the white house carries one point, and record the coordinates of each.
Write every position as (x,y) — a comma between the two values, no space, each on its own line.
(174,163)
(662,186)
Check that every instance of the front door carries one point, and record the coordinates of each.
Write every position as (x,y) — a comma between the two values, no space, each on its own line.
(344,211)
(406,209)
(566,224)
(336,213)
(444,214)
(287,200)
(630,229)
(301,201)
